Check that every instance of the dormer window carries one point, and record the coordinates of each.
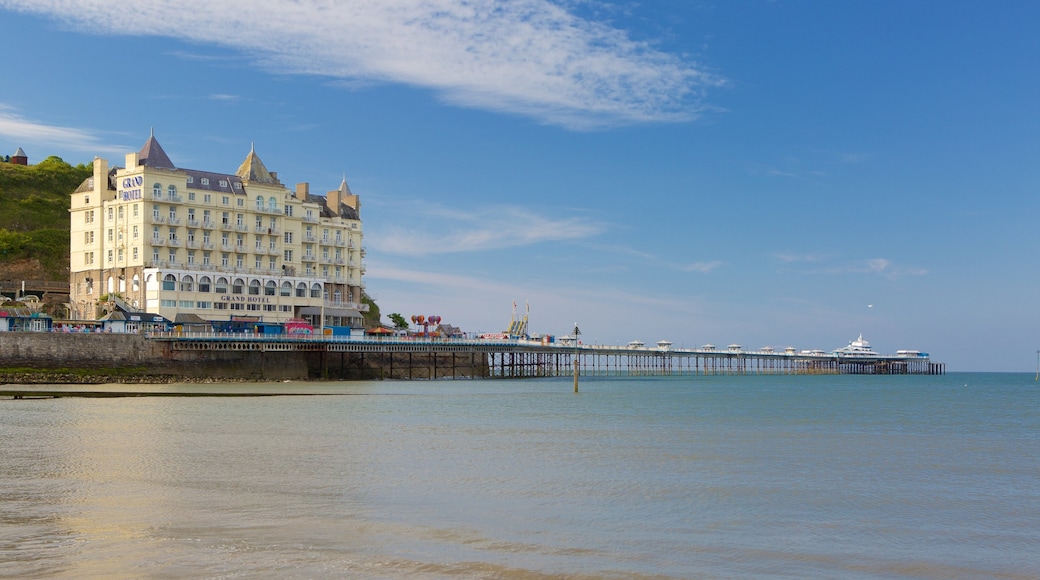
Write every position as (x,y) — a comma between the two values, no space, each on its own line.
(191,179)
(223,183)
(205,181)
(238,185)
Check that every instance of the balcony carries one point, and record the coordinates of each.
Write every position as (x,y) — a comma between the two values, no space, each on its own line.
(174,243)
(158,241)
(207,246)
(208,225)
(191,245)
(174,221)
(341,242)
(309,258)
(175,198)
(242,227)
(309,238)
(192,223)
(227,226)
(339,261)
(310,219)
(157,219)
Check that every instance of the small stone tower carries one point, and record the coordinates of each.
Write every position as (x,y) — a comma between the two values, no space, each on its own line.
(19,157)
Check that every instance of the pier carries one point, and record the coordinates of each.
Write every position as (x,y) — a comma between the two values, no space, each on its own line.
(418,358)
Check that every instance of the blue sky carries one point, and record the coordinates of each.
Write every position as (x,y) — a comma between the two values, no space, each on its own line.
(780,173)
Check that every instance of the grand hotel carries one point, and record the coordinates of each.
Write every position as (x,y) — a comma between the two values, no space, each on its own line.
(187,244)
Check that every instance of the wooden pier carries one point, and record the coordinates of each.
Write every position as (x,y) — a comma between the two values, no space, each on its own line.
(466,358)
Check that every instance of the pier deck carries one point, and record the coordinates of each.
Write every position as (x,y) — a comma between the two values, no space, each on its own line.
(476,358)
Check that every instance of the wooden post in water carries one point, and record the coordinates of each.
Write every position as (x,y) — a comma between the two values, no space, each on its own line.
(576,333)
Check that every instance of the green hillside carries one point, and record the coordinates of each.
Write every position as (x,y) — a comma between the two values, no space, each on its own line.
(34,213)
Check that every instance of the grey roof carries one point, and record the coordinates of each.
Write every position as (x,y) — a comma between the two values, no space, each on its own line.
(213,182)
(19,153)
(152,155)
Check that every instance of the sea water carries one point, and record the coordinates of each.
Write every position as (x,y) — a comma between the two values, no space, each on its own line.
(667,477)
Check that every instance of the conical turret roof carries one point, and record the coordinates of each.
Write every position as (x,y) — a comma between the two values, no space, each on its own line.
(152,155)
(253,170)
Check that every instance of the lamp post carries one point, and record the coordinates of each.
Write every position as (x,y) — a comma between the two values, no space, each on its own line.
(576,333)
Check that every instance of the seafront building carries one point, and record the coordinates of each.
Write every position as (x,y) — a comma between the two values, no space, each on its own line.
(190,245)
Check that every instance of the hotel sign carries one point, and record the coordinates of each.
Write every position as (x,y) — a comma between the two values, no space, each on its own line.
(250,299)
(130,188)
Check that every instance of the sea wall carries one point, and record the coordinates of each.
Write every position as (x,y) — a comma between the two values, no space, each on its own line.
(41,357)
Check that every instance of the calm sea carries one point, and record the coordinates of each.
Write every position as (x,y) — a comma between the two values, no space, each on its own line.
(678,477)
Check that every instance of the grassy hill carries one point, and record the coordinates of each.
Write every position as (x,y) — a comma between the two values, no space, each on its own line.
(34,217)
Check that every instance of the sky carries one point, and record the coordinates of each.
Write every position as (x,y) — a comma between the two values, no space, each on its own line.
(781,173)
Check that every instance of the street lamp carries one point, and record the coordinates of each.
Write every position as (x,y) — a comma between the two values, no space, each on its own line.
(576,333)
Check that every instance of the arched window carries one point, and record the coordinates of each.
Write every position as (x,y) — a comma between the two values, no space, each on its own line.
(221,287)
(238,286)
(316,290)
(259,202)
(301,290)
(286,289)
(254,287)
(157,190)
(270,288)
(204,284)
(172,190)
(336,296)
(135,284)
(187,284)
(169,282)
(272,204)
(111,284)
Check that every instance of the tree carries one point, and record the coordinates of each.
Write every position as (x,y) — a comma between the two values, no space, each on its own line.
(399,322)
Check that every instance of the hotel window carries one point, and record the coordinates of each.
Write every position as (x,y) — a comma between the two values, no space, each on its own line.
(136,212)
(173,234)
(238,286)
(288,237)
(239,220)
(259,243)
(191,214)
(238,185)
(155,255)
(225,218)
(274,244)
(191,196)
(191,257)
(155,211)
(202,305)
(240,202)
(221,286)
(173,257)
(169,282)
(204,181)
(136,232)
(286,289)
(164,303)
(301,290)
(259,203)
(225,200)
(109,234)
(207,198)
(109,214)
(288,210)
(287,256)
(205,258)
(274,223)
(190,179)
(172,191)
(223,183)
(239,258)
(239,241)
(173,212)
(88,237)
(187,304)
(157,190)
(224,240)
(259,222)
(225,259)
(88,217)
(191,236)
(270,287)
(271,263)
(258,264)
(120,212)
(86,198)
(120,255)
(119,235)
(316,291)
(254,287)
(187,284)
(205,216)
(135,253)
(204,284)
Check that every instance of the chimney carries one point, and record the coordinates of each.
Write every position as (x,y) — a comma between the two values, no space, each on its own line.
(333,199)
(303,190)
(132,161)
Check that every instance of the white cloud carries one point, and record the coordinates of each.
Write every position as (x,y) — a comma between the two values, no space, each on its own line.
(448,231)
(25,131)
(528,57)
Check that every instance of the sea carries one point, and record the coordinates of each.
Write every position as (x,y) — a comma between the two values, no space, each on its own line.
(853,476)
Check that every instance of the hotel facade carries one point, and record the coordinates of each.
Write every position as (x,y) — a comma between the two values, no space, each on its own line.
(189,245)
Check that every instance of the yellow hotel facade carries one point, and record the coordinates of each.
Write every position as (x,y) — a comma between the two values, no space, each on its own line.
(187,244)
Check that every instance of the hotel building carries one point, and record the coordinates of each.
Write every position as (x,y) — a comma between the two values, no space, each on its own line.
(153,237)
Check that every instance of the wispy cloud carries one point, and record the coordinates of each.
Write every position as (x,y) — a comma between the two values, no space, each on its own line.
(701,267)
(527,57)
(876,266)
(26,131)
(450,230)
